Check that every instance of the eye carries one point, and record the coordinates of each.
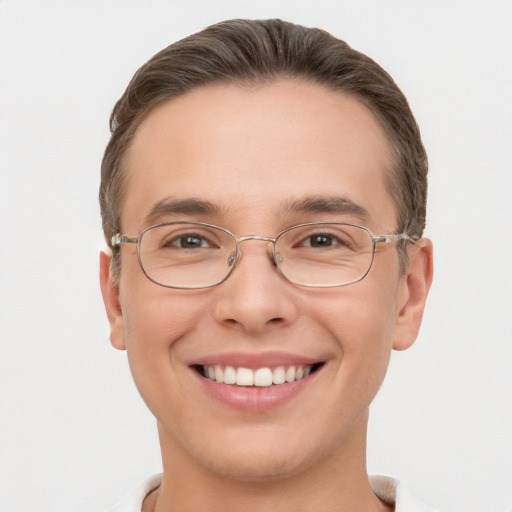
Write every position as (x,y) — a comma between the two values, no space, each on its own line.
(320,240)
(189,241)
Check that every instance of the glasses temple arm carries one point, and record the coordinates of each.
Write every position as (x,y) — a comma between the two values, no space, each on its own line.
(393,238)
(123,239)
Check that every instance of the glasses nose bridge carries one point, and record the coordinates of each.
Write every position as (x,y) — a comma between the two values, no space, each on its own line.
(257,238)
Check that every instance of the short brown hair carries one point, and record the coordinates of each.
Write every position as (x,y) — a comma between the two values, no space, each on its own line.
(251,52)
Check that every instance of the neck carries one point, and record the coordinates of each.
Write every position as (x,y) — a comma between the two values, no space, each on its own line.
(335,482)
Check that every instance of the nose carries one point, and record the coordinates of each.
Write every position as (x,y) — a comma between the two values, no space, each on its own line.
(256,297)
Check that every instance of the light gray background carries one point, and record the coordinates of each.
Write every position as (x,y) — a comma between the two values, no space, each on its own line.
(74,435)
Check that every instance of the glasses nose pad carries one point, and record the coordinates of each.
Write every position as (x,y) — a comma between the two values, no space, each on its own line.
(277,258)
(232,259)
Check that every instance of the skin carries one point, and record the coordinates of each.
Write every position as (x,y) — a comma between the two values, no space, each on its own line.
(248,151)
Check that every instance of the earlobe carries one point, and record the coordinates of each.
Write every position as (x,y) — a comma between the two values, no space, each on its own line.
(110,293)
(413,294)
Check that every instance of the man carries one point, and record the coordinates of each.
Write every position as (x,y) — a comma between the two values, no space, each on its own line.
(263,195)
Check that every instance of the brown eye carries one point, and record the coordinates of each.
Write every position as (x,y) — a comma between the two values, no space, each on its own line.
(189,241)
(321,241)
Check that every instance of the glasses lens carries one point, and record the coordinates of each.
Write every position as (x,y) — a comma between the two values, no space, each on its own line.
(325,254)
(186,255)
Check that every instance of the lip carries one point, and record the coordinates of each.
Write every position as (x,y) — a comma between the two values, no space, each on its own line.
(254,360)
(254,399)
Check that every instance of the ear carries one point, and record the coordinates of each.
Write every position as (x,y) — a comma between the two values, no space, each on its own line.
(110,292)
(413,292)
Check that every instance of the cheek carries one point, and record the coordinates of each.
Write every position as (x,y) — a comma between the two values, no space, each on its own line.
(362,323)
(359,318)
(154,317)
(155,326)
(155,322)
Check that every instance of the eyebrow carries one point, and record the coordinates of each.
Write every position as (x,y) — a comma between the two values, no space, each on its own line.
(188,206)
(338,205)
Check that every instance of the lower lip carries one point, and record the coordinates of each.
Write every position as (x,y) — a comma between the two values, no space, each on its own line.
(254,398)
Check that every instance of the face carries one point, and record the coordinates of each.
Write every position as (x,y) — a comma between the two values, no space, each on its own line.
(255,157)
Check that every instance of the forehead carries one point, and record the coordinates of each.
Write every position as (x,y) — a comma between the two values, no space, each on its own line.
(253,152)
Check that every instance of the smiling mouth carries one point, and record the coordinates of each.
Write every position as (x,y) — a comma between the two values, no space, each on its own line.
(260,377)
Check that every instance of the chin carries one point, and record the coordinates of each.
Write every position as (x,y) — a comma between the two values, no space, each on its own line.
(260,459)
(258,469)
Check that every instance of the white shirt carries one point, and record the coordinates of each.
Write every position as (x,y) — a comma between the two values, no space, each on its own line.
(387,489)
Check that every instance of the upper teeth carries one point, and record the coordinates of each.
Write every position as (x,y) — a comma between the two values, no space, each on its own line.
(260,377)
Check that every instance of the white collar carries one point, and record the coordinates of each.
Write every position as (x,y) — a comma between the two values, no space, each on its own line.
(388,489)
(394,492)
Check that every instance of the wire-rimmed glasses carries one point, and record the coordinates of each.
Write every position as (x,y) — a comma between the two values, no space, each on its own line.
(192,255)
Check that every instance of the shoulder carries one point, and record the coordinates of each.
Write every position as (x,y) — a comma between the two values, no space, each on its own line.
(132,502)
(394,492)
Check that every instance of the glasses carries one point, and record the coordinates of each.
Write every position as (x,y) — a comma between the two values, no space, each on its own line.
(191,255)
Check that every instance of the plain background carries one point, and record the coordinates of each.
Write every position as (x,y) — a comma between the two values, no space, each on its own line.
(74,435)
